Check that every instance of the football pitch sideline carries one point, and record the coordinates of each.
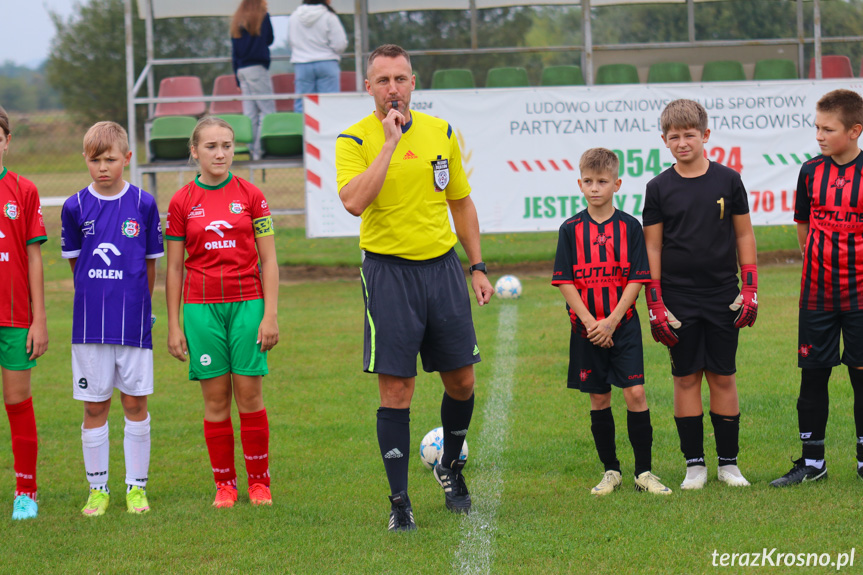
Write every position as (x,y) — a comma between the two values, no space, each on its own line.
(531,464)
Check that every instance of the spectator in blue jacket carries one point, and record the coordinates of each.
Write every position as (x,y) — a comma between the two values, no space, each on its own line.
(251,36)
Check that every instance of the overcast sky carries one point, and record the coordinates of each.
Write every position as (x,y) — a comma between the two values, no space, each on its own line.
(27,29)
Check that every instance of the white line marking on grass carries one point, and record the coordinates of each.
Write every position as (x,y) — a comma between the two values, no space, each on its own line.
(475,553)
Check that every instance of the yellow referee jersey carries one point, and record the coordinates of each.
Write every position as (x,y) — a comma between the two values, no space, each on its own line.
(409,217)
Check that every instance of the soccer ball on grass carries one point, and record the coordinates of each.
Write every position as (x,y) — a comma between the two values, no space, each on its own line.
(431,448)
(508,287)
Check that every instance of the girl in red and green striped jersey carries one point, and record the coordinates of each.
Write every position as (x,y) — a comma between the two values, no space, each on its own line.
(23,327)
(229,311)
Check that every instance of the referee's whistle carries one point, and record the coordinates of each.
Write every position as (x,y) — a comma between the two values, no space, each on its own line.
(395,105)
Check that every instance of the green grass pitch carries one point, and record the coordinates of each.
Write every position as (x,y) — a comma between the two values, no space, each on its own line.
(530,485)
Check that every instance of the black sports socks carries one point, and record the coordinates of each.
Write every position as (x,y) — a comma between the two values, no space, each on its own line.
(394,439)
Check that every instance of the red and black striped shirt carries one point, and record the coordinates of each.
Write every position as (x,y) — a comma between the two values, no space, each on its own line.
(600,259)
(828,199)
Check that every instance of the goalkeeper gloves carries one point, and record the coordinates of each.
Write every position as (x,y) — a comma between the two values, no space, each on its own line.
(661,320)
(747,300)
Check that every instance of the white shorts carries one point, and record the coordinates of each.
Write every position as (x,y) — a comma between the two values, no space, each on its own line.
(98,368)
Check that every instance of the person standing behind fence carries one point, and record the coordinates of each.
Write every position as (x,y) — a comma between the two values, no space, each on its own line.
(317,40)
(251,36)
(23,325)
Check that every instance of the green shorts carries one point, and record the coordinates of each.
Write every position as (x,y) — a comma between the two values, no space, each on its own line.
(221,338)
(13,349)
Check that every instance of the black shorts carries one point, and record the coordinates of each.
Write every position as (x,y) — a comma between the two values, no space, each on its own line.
(416,307)
(818,338)
(594,369)
(708,338)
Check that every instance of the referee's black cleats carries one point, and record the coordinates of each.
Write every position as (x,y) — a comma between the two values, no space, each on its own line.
(401,515)
(800,473)
(454,487)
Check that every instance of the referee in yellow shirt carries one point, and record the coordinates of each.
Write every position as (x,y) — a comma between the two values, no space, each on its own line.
(399,170)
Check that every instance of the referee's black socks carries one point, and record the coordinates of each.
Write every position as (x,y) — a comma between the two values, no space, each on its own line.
(602,427)
(394,439)
(455,418)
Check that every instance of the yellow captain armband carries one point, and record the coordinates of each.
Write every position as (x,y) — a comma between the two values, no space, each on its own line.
(263,226)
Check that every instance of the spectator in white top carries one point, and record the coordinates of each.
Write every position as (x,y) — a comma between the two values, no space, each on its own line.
(317,40)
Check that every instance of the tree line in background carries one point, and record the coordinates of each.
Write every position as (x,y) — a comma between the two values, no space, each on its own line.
(85,73)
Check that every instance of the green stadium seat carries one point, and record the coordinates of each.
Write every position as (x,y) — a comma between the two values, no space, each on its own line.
(242,127)
(723,71)
(282,134)
(668,72)
(775,69)
(616,74)
(506,78)
(452,78)
(832,67)
(169,137)
(562,76)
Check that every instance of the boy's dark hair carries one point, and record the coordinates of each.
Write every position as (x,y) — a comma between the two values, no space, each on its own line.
(600,161)
(102,136)
(388,51)
(683,114)
(846,104)
(4,121)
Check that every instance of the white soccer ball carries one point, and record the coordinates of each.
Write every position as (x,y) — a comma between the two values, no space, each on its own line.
(431,448)
(508,287)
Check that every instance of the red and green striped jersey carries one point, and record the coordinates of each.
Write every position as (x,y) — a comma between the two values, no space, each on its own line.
(20,225)
(829,200)
(219,225)
(600,259)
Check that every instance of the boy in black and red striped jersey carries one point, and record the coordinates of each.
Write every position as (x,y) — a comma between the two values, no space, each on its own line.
(599,267)
(829,215)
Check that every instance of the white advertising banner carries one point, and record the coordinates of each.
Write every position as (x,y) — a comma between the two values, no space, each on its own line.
(521,147)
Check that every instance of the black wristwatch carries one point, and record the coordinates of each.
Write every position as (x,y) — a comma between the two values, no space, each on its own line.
(479,267)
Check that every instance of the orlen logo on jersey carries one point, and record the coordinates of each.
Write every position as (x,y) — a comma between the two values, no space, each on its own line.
(102,251)
(216,227)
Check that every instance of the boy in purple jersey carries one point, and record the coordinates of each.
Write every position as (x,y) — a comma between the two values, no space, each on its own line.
(112,236)
(697,230)
(829,215)
(600,266)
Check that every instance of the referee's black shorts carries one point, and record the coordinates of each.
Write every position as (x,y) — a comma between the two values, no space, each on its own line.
(708,338)
(416,307)
(594,369)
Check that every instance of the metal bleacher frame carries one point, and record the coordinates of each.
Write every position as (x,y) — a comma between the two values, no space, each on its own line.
(360,8)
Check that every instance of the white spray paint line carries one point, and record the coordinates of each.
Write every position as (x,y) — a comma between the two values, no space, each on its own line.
(475,553)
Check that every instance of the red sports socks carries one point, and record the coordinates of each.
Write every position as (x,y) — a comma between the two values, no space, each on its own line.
(255,435)
(220,445)
(22,423)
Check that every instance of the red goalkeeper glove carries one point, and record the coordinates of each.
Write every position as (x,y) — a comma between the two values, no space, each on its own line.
(661,320)
(747,300)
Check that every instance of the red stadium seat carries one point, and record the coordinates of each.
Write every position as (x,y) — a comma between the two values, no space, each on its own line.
(180,87)
(348,82)
(284,84)
(226,86)
(832,67)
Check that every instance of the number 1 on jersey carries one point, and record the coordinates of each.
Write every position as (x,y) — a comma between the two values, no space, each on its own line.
(721,202)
